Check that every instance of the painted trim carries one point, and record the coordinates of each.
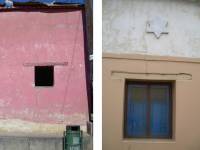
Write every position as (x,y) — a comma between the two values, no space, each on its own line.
(150,58)
(32,64)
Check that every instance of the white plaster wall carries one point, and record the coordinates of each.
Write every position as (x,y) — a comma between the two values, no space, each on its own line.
(124,27)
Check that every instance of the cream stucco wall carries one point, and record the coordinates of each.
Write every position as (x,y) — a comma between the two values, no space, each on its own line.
(124,27)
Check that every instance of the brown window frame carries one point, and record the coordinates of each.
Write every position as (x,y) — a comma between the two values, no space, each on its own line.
(148,83)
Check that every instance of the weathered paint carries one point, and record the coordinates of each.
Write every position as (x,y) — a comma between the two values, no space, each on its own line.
(124,40)
(124,27)
(38,38)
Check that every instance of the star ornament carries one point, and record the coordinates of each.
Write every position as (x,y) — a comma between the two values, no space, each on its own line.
(157,26)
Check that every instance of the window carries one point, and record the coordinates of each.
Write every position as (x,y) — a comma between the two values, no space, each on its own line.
(44,75)
(148,110)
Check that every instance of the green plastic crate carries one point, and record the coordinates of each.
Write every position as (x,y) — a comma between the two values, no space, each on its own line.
(73,138)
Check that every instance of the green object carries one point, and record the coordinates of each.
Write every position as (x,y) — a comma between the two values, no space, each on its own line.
(73,138)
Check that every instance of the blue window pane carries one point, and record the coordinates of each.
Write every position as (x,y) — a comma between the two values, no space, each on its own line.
(136,111)
(2,2)
(160,107)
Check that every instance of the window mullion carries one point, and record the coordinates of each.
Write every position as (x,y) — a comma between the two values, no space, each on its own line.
(148,111)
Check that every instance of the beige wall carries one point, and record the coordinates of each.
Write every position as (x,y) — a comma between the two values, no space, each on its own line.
(185,73)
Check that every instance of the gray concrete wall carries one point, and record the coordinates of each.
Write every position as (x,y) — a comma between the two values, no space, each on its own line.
(25,143)
(39,143)
(124,27)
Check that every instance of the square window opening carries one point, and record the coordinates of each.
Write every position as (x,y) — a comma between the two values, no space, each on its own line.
(44,76)
(148,110)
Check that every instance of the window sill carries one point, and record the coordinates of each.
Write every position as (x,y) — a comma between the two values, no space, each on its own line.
(148,140)
(43,87)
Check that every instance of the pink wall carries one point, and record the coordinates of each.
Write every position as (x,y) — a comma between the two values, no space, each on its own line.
(38,37)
